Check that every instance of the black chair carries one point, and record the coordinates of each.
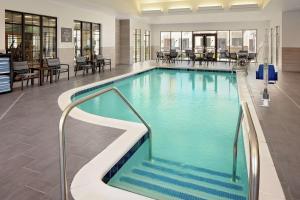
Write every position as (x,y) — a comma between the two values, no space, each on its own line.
(173,56)
(252,57)
(233,57)
(22,72)
(224,55)
(83,64)
(101,62)
(57,68)
(209,57)
(159,56)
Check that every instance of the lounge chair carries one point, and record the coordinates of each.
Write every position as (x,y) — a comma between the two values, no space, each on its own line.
(57,68)
(83,64)
(22,72)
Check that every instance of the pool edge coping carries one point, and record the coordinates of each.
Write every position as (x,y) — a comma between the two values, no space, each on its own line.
(270,185)
(88,184)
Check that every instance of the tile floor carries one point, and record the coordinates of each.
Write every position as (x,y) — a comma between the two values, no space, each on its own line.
(29,167)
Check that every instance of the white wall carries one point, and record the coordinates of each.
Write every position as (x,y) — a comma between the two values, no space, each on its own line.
(291,29)
(260,26)
(66,14)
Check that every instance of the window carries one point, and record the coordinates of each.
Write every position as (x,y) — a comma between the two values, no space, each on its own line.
(30,37)
(223,41)
(49,37)
(77,38)
(87,39)
(137,45)
(186,42)
(147,45)
(96,39)
(249,43)
(176,41)
(13,34)
(165,41)
(236,41)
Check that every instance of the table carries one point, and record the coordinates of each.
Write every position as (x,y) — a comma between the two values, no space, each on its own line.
(42,73)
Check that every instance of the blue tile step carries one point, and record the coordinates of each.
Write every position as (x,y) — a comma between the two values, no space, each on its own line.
(193,168)
(194,177)
(132,184)
(184,186)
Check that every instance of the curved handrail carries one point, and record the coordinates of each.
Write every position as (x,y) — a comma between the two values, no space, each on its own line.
(62,139)
(254,175)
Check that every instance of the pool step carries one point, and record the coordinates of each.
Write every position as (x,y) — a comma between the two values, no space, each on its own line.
(194,168)
(190,176)
(163,179)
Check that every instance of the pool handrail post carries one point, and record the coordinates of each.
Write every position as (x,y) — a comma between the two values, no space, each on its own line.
(235,145)
(254,166)
(62,138)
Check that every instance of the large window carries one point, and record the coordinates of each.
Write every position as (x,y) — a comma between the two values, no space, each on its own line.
(96,39)
(230,41)
(236,41)
(77,38)
(147,45)
(186,43)
(13,34)
(165,41)
(30,37)
(176,41)
(137,45)
(249,43)
(49,38)
(223,41)
(87,39)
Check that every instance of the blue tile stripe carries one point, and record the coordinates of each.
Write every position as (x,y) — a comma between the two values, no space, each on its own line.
(193,177)
(160,189)
(188,185)
(198,169)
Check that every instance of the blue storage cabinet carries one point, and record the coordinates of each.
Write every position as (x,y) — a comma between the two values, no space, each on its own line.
(6,75)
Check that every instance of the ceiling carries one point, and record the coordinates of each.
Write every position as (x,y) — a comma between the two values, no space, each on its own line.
(136,7)
(165,5)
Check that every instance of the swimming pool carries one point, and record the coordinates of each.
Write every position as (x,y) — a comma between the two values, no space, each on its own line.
(193,115)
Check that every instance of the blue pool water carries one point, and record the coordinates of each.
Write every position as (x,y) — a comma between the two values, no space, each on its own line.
(193,116)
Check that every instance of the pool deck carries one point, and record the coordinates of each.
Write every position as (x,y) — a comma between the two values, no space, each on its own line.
(29,135)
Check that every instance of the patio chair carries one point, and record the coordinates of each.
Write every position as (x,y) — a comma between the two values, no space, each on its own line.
(233,56)
(83,64)
(22,72)
(209,57)
(252,57)
(173,56)
(159,56)
(58,68)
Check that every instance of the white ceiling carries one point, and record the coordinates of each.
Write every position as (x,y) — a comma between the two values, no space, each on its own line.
(135,7)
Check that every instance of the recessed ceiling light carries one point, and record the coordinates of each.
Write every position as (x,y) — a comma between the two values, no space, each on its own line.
(245,6)
(179,10)
(152,11)
(209,7)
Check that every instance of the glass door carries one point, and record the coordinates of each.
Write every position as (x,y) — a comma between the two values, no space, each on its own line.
(198,44)
(203,43)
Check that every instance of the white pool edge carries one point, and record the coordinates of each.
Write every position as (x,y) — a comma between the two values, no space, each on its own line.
(87,183)
(270,186)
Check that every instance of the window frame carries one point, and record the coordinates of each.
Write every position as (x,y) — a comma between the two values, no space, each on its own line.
(91,56)
(40,31)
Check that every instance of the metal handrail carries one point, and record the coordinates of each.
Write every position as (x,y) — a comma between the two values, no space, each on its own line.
(62,139)
(254,175)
